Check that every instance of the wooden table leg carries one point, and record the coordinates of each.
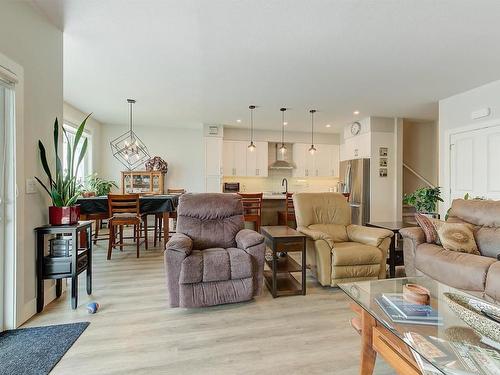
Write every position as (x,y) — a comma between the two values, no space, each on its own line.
(166,229)
(39,273)
(368,355)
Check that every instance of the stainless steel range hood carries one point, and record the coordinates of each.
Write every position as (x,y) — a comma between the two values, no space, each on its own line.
(282,161)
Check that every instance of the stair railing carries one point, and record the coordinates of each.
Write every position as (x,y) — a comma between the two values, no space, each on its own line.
(415,173)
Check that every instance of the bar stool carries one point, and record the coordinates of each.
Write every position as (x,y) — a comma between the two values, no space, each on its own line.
(252,208)
(284,217)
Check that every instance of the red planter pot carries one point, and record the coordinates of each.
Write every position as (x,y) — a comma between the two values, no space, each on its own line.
(64,215)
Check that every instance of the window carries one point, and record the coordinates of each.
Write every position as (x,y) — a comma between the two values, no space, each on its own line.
(85,167)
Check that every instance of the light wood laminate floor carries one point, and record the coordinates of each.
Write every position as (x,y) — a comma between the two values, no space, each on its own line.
(135,332)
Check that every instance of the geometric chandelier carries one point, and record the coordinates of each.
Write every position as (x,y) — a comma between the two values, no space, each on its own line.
(128,147)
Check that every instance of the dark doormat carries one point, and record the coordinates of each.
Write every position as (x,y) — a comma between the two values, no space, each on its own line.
(35,351)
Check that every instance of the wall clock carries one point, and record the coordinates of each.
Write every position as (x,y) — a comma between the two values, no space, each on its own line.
(355,128)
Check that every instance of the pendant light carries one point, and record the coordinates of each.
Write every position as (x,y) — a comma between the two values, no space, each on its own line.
(251,146)
(283,147)
(128,147)
(312,149)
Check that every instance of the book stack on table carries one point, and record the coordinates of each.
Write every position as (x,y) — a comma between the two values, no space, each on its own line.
(401,311)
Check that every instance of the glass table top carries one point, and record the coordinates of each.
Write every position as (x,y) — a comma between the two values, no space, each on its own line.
(440,341)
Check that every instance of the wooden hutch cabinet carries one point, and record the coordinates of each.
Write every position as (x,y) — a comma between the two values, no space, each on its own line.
(143,182)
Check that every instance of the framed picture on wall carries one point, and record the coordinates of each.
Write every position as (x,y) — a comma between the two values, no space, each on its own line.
(382,172)
(383,151)
(383,162)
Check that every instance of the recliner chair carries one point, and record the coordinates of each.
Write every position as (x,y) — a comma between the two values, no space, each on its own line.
(338,251)
(211,259)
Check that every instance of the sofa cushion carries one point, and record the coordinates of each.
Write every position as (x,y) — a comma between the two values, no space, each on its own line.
(459,270)
(493,282)
(458,237)
(355,253)
(338,233)
(427,225)
(215,264)
(488,241)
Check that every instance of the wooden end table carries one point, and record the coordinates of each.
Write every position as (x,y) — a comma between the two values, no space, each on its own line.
(279,279)
(395,253)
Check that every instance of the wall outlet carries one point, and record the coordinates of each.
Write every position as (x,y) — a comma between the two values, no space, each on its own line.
(31,187)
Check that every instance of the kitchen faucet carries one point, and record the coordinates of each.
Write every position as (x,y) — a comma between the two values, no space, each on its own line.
(284,183)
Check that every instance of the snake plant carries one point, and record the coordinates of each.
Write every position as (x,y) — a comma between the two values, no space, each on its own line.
(62,185)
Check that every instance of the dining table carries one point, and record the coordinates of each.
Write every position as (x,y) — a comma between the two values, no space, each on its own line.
(91,207)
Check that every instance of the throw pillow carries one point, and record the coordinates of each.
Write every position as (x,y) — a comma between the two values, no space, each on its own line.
(458,237)
(428,226)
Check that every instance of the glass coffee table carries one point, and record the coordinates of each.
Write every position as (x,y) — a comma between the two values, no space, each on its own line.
(415,342)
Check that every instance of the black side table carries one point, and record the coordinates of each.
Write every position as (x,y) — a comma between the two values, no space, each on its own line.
(395,253)
(279,280)
(58,268)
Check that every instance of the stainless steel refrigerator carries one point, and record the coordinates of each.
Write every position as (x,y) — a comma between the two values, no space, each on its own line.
(355,180)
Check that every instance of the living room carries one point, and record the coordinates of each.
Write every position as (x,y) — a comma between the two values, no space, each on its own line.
(348,150)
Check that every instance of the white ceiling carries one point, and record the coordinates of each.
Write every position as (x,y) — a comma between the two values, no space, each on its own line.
(189,62)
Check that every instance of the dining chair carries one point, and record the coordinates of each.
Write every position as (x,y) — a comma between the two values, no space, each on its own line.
(252,208)
(158,230)
(284,217)
(125,210)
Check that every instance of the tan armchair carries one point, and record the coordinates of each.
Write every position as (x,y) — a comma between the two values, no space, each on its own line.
(338,251)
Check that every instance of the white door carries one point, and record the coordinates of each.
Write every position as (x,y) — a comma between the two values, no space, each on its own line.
(474,161)
(213,165)
(213,156)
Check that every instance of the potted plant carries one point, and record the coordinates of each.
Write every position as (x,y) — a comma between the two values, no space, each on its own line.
(95,185)
(424,200)
(62,185)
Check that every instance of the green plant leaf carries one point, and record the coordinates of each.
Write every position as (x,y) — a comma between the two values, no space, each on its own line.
(43,185)
(43,159)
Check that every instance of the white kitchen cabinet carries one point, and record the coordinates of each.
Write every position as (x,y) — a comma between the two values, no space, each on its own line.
(213,164)
(235,158)
(301,160)
(324,162)
(258,160)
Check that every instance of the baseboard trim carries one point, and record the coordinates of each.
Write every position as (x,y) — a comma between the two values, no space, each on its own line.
(29,308)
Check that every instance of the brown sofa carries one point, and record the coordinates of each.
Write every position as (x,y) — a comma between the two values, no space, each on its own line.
(478,274)
(211,259)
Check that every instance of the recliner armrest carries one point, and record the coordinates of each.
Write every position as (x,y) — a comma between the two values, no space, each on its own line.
(316,235)
(247,238)
(368,235)
(181,243)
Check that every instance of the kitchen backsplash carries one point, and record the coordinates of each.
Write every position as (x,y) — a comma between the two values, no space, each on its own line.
(272,183)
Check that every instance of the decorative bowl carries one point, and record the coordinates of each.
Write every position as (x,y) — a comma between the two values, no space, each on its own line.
(417,294)
(469,310)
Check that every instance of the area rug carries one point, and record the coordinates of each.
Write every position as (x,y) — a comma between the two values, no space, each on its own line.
(35,351)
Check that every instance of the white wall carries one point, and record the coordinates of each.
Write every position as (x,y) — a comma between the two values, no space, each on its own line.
(31,41)
(182,148)
(420,152)
(74,116)
(383,190)
(454,115)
